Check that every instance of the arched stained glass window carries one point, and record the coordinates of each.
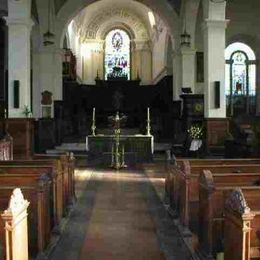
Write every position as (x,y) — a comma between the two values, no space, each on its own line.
(117,55)
(240,78)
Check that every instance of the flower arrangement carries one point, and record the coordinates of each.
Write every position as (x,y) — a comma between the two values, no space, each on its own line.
(26,111)
(195,132)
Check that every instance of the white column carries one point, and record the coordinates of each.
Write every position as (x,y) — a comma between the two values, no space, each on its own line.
(87,69)
(101,64)
(36,59)
(188,68)
(214,57)
(19,59)
(92,57)
(142,63)
(57,79)
(258,90)
(176,75)
(78,54)
(146,59)
(137,62)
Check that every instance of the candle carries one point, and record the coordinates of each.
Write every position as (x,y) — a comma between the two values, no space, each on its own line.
(93,114)
(148,114)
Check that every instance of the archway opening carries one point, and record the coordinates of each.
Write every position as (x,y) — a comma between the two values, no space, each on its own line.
(117,55)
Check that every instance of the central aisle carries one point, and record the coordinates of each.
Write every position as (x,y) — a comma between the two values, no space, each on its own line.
(115,218)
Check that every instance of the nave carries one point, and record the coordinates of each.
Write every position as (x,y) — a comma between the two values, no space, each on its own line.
(119,215)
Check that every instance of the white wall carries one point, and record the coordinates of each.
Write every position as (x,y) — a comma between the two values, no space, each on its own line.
(159,49)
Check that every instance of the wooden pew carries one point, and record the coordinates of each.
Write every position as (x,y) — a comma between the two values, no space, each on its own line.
(242,225)
(37,190)
(171,186)
(212,191)
(14,227)
(186,187)
(194,162)
(68,167)
(53,169)
(185,166)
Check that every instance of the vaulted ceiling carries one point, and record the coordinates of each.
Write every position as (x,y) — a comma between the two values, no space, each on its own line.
(175,3)
(92,20)
(4,9)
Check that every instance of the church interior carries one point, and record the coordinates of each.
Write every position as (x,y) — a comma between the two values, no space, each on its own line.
(129,129)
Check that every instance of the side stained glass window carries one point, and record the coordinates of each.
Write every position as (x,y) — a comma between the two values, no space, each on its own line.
(117,55)
(240,85)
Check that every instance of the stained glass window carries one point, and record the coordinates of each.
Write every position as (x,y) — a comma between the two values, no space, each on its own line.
(117,55)
(239,73)
(240,77)
(240,69)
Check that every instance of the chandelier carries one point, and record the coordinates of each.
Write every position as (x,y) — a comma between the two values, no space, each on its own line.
(48,37)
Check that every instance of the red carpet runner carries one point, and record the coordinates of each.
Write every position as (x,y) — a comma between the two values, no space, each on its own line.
(120,226)
(119,216)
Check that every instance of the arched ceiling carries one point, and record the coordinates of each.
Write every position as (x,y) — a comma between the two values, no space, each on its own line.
(175,3)
(4,9)
(91,21)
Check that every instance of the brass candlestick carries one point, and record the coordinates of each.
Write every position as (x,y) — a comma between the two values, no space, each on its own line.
(93,127)
(118,151)
(112,157)
(123,165)
(148,127)
(117,164)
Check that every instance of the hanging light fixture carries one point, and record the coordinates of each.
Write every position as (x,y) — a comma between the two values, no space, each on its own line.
(48,37)
(185,37)
(217,1)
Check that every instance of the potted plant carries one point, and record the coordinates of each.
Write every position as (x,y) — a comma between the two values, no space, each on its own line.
(26,111)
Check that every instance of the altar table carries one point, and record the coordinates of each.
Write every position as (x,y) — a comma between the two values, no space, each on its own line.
(138,148)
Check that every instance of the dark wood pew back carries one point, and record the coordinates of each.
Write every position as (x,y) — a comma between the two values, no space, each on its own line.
(68,166)
(194,162)
(52,169)
(186,186)
(213,190)
(37,191)
(242,224)
(190,167)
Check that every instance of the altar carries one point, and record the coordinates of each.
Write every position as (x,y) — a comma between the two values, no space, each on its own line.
(137,148)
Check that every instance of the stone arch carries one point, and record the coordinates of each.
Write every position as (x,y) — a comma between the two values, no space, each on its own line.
(104,30)
(72,7)
(118,15)
(249,40)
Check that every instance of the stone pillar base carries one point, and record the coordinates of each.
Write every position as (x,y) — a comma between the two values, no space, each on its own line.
(217,132)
